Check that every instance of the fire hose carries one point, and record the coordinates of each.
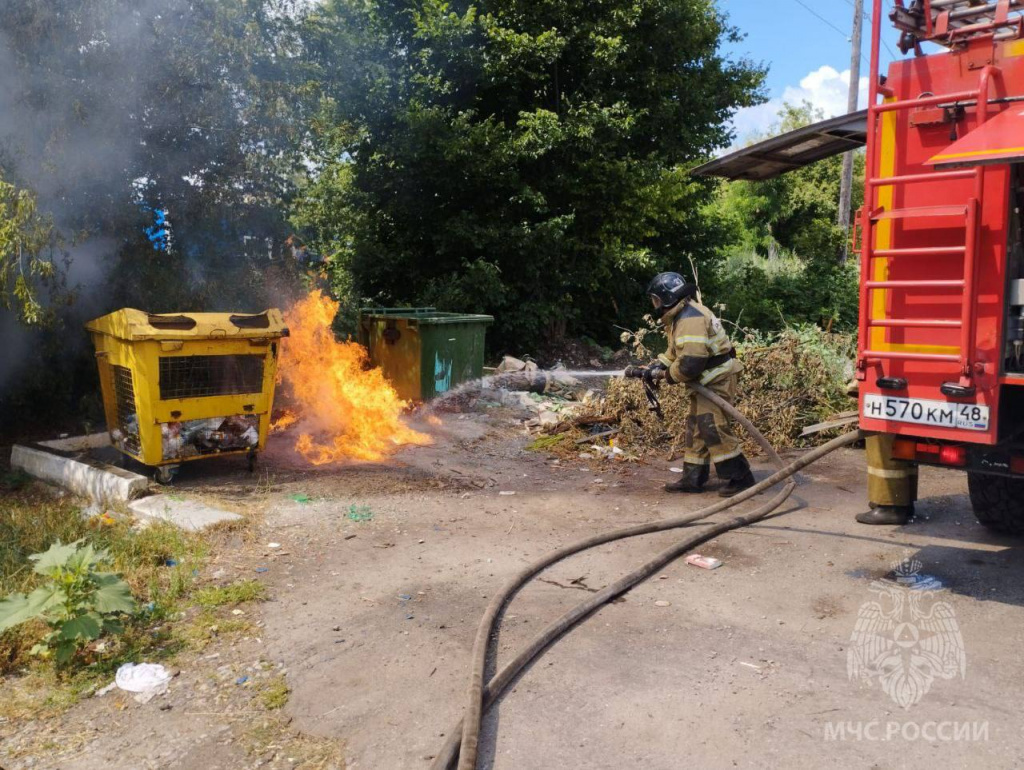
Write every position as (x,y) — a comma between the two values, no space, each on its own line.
(463,739)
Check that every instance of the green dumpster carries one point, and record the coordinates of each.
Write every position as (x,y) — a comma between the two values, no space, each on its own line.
(424,352)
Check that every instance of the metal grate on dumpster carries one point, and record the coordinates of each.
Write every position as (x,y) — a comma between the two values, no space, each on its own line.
(127,415)
(199,376)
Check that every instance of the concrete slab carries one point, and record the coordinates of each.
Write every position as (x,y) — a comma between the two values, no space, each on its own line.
(187,514)
(98,481)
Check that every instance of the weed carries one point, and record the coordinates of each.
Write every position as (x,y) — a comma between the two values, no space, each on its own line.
(234,593)
(274,694)
(546,443)
(77,601)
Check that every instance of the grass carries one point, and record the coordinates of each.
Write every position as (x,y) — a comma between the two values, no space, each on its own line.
(162,564)
(274,694)
(235,593)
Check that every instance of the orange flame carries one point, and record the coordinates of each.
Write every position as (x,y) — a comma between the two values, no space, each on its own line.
(344,409)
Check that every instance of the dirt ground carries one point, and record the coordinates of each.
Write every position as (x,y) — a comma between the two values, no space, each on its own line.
(383,573)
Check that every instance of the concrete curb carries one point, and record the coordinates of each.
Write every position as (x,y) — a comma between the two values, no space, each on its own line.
(98,481)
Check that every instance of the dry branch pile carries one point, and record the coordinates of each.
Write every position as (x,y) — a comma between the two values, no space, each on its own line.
(790,380)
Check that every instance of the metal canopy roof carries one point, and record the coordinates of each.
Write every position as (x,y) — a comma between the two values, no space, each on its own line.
(776,156)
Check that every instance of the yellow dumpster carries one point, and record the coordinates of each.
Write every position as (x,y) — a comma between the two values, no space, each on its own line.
(185,386)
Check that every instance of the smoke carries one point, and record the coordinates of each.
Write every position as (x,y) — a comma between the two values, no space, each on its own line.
(116,113)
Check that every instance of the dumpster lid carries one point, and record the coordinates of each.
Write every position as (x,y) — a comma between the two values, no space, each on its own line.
(425,315)
(131,324)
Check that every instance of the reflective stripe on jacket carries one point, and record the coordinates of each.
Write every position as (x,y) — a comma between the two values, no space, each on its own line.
(699,350)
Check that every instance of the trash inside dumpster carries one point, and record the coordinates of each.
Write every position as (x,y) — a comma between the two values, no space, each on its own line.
(184,386)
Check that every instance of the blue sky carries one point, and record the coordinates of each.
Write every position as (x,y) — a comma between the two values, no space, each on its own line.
(805,44)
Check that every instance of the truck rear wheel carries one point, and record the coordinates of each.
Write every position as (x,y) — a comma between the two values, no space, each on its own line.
(998,502)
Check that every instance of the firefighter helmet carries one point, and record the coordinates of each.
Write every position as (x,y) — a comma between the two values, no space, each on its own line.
(666,290)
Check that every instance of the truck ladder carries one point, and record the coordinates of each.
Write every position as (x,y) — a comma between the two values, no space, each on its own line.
(953,22)
(968,213)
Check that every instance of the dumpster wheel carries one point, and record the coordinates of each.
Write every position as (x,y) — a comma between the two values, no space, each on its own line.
(165,474)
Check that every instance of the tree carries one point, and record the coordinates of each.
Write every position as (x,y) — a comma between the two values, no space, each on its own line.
(163,130)
(26,254)
(790,223)
(522,157)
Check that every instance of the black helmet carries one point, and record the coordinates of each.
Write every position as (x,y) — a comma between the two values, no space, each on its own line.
(668,289)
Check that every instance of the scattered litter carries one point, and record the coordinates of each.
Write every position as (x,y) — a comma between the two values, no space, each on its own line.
(261,569)
(676,470)
(300,498)
(349,537)
(506,493)
(404,597)
(242,680)
(237,612)
(750,665)
(146,679)
(170,562)
(104,690)
(662,603)
(704,562)
(607,452)
(273,545)
(360,513)
(409,617)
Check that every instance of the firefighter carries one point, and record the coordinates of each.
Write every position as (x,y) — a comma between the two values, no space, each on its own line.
(892,484)
(699,350)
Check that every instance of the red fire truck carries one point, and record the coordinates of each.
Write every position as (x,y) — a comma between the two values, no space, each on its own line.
(941,341)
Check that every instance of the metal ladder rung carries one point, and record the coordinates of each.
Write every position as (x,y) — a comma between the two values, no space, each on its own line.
(922,212)
(877,355)
(914,284)
(922,323)
(935,176)
(931,251)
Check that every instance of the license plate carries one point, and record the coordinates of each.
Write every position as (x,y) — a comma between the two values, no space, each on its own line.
(924,412)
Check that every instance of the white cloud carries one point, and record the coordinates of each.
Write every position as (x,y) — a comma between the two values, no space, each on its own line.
(825,88)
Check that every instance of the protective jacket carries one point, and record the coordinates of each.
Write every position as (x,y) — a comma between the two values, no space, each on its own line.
(699,350)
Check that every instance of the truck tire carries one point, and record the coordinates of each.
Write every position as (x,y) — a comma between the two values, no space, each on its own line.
(998,502)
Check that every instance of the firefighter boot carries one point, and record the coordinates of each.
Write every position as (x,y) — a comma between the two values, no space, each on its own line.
(693,479)
(736,472)
(735,486)
(887,514)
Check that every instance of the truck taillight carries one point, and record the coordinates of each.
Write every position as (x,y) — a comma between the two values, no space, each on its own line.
(953,455)
(944,454)
(1017,464)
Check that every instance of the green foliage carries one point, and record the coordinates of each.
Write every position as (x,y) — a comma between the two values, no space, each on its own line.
(525,158)
(26,253)
(77,602)
(768,294)
(782,262)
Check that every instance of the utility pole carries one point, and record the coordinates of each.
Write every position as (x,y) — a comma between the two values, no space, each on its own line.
(846,183)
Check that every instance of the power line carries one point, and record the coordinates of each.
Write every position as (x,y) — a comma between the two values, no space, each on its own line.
(821,18)
(813,12)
